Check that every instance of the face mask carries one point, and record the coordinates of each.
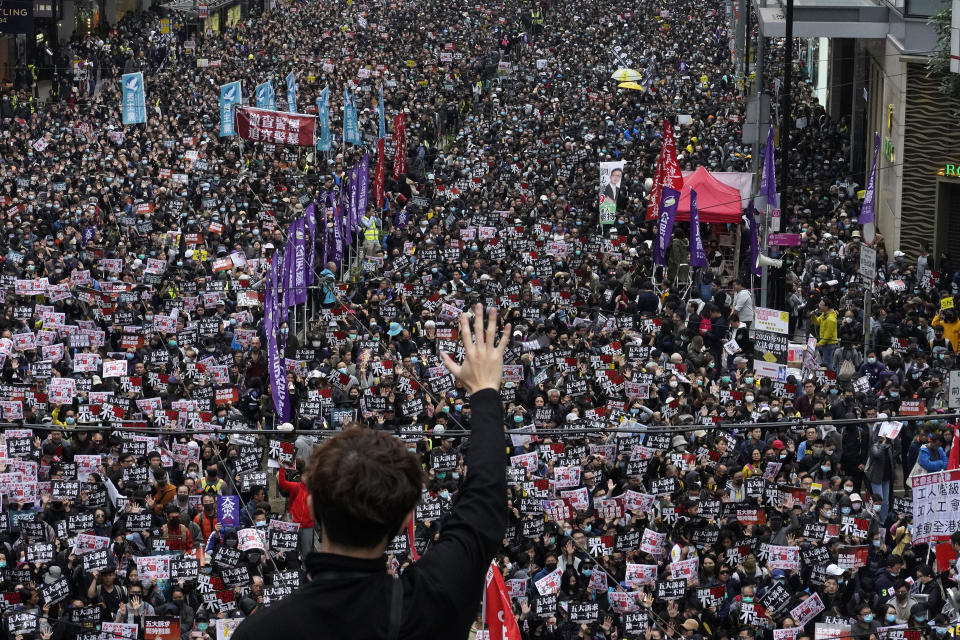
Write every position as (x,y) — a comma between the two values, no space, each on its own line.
(824,468)
(342,370)
(634,410)
(70,420)
(921,618)
(748,398)
(517,419)
(891,618)
(828,513)
(725,379)
(871,360)
(587,572)
(748,380)
(445,494)
(748,599)
(202,626)
(845,510)
(848,489)
(868,617)
(315,343)
(876,543)
(673,384)
(172,343)
(568,532)
(894,394)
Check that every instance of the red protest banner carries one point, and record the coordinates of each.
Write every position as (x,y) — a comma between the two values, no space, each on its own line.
(276,127)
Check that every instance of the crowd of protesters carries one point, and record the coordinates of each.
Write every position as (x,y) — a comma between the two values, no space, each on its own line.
(144,463)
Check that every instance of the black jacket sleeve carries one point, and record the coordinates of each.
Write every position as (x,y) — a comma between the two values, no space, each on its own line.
(457,563)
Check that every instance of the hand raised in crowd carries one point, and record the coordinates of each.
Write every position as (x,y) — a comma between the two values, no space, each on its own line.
(482,366)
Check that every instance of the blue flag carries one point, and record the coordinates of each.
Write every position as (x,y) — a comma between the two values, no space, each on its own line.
(134,109)
(230,95)
(266,97)
(382,131)
(291,93)
(768,184)
(698,258)
(351,126)
(323,114)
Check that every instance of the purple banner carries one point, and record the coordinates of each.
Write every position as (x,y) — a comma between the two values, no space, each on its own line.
(363,188)
(288,276)
(401,219)
(337,252)
(754,240)
(866,211)
(275,360)
(298,234)
(698,258)
(768,184)
(310,220)
(346,204)
(669,199)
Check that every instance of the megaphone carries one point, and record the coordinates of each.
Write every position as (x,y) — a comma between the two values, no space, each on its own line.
(764,261)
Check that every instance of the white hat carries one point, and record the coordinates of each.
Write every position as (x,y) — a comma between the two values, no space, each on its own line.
(188,254)
(834,570)
(855,497)
(286,426)
(269,245)
(898,254)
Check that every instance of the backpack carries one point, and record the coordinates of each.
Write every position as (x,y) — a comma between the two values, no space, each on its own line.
(705,326)
(847,370)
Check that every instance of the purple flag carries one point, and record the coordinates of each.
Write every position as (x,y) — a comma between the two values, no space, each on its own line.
(669,199)
(768,184)
(288,277)
(401,219)
(754,240)
(275,360)
(310,219)
(337,255)
(346,202)
(326,234)
(697,256)
(363,189)
(866,211)
(298,234)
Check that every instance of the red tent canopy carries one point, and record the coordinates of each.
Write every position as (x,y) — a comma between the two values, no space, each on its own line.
(716,201)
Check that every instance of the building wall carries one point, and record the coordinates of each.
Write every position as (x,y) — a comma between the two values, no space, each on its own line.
(886,104)
(931,140)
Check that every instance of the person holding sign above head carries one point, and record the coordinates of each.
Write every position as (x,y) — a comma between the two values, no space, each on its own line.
(363,488)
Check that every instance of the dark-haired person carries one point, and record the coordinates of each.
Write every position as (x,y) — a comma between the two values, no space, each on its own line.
(297,495)
(364,486)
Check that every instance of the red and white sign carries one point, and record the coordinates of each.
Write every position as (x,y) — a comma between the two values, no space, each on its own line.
(549,584)
(276,127)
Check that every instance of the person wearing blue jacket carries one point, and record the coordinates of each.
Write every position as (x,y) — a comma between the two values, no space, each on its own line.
(932,458)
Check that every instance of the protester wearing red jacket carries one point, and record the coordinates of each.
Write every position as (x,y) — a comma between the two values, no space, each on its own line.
(297,508)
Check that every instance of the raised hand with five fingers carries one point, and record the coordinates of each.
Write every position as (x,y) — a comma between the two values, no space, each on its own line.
(482,366)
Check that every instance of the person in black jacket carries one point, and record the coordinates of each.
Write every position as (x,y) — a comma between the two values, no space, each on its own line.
(364,486)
